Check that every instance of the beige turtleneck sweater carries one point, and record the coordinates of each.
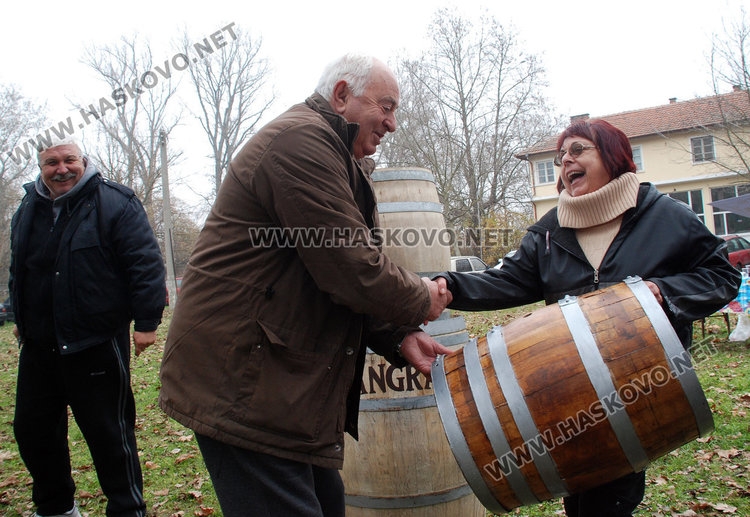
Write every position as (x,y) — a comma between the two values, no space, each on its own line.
(596,216)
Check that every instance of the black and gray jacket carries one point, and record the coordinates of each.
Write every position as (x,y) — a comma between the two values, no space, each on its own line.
(108,270)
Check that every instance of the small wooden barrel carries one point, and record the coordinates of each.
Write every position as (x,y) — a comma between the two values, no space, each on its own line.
(569,397)
(411,219)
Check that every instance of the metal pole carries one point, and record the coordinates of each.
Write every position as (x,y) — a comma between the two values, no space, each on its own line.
(167,216)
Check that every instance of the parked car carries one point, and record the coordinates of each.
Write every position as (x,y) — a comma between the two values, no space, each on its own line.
(739,250)
(500,261)
(468,264)
(178,281)
(6,312)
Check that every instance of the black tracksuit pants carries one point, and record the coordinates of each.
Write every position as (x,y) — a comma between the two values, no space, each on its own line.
(95,383)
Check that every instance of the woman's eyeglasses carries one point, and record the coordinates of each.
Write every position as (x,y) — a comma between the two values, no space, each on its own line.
(575,150)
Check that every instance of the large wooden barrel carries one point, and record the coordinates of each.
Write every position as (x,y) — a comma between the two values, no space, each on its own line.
(411,219)
(402,465)
(569,397)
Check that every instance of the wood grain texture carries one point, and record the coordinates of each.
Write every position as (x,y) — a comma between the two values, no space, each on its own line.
(571,419)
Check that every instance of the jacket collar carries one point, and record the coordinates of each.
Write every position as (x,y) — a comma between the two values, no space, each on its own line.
(347,131)
(549,226)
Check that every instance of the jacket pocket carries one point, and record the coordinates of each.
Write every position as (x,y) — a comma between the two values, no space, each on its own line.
(285,391)
(97,290)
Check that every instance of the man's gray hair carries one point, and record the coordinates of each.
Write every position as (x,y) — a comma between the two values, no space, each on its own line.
(353,68)
(55,141)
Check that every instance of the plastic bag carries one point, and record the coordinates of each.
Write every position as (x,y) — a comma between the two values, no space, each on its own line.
(742,331)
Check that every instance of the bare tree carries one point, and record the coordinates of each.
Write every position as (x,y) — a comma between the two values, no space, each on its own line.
(730,67)
(185,230)
(230,91)
(19,118)
(129,135)
(469,105)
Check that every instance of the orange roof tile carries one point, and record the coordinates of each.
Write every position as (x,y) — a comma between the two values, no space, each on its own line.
(675,116)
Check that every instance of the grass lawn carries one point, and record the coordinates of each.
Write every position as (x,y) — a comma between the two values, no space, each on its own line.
(175,479)
(707,477)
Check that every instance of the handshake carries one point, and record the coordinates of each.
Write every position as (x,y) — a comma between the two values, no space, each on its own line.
(418,347)
(440,297)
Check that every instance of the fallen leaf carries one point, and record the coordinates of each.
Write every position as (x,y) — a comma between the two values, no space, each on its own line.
(727,454)
(183,457)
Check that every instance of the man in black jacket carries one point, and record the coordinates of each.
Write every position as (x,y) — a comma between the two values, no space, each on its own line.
(84,264)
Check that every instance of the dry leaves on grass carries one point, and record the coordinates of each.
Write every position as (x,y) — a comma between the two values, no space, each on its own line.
(733,463)
(706,508)
(183,457)
(701,509)
(7,455)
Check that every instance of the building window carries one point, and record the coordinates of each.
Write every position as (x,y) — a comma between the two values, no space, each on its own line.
(726,223)
(638,158)
(693,199)
(703,149)
(545,172)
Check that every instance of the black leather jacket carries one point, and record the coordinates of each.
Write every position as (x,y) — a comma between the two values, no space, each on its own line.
(660,240)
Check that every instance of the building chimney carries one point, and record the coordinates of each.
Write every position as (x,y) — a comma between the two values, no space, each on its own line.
(737,88)
(579,118)
(672,100)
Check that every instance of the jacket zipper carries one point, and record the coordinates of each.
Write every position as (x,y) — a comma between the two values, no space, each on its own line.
(596,278)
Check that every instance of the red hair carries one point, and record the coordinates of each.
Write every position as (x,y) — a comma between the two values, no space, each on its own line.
(614,146)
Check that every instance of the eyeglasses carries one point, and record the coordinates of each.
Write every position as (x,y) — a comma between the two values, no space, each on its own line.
(575,150)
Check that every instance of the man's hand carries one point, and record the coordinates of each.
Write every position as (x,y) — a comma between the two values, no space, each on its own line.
(655,290)
(440,297)
(421,350)
(143,340)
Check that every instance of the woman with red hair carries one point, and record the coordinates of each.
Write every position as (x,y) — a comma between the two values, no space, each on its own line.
(607,226)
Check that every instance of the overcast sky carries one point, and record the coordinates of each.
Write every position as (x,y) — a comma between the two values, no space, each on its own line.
(600,57)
